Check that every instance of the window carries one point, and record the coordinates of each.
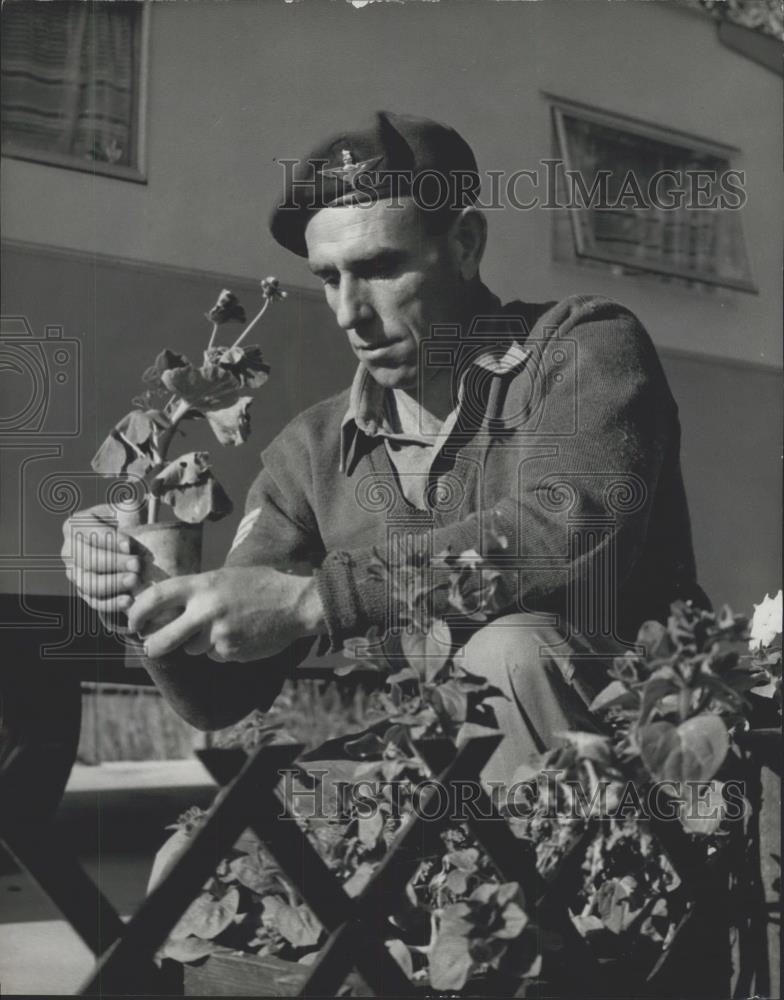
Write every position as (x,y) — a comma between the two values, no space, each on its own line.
(73,84)
(650,199)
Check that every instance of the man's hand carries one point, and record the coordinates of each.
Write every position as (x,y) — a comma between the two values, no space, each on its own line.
(98,559)
(232,614)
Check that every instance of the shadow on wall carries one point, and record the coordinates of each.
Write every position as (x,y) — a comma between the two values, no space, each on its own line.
(123,314)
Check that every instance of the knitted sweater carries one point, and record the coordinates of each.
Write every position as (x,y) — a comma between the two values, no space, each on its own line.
(573,456)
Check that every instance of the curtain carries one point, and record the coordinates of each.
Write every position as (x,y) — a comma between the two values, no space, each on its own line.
(69,77)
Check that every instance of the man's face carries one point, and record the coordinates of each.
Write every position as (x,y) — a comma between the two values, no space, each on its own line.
(386,280)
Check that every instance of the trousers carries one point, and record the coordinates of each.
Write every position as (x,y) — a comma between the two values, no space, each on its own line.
(546,680)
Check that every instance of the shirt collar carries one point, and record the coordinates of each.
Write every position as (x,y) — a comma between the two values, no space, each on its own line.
(370,409)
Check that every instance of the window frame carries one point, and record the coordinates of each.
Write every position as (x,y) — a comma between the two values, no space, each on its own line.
(564,107)
(137,173)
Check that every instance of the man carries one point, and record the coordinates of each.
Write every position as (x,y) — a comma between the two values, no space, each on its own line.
(553,424)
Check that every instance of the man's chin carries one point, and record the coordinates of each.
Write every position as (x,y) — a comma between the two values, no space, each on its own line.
(393,378)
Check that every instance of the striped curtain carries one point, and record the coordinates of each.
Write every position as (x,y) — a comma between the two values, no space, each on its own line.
(69,77)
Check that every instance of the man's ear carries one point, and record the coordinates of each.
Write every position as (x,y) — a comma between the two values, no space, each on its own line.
(468,235)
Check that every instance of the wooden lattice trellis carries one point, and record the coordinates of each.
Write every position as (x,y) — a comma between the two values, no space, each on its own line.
(690,966)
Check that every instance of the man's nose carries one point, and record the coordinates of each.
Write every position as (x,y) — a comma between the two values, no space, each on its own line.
(353,308)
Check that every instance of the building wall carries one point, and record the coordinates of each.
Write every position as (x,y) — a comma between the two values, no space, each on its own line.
(126,268)
(235,86)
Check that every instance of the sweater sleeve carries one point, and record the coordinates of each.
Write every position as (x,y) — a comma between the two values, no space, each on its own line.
(624,421)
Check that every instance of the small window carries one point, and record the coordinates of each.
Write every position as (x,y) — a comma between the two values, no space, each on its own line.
(73,84)
(649,199)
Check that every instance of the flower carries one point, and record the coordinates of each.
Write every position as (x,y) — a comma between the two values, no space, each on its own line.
(766,622)
(227,309)
(271,289)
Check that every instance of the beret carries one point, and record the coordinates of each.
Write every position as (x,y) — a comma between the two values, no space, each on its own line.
(390,155)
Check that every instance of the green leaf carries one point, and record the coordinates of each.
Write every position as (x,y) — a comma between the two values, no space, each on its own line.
(465,860)
(450,960)
(189,949)
(714,803)
(168,854)
(658,686)
(457,882)
(706,742)
(360,878)
(428,652)
(401,955)
(207,917)
(691,751)
(255,872)
(614,905)
(614,695)
(451,700)
(295,923)
(370,828)
(656,639)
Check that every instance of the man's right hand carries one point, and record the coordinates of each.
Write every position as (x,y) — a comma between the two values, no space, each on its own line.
(98,559)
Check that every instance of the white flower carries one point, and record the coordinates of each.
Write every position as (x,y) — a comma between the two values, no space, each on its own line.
(766,622)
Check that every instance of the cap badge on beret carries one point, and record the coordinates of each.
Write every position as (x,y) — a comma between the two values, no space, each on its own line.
(350,169)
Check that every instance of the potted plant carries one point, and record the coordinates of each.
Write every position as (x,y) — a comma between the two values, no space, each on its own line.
(217,390)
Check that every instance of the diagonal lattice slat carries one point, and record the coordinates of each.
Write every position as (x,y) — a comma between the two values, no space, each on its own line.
(248,799)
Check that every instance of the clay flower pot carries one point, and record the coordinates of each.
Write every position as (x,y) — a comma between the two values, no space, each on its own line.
(166,549)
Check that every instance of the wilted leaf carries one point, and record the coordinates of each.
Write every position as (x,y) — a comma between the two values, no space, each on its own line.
(227,309)
(207,917)
(231,425)
(166,359)
(129,448)
(188,486)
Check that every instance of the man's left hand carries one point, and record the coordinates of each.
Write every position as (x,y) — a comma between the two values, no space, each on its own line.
(233,614)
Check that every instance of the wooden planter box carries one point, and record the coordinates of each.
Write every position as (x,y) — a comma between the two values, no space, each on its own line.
(228,973)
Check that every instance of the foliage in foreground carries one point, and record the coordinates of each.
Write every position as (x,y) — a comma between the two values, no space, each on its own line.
(672,713)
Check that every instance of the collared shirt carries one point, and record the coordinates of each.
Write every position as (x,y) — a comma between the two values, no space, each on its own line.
(413,437)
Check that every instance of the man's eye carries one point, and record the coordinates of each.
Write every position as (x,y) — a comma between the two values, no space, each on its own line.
(330,280)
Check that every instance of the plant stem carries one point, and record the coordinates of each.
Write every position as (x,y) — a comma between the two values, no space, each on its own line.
(252,323)
(212,335)
(165,440)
